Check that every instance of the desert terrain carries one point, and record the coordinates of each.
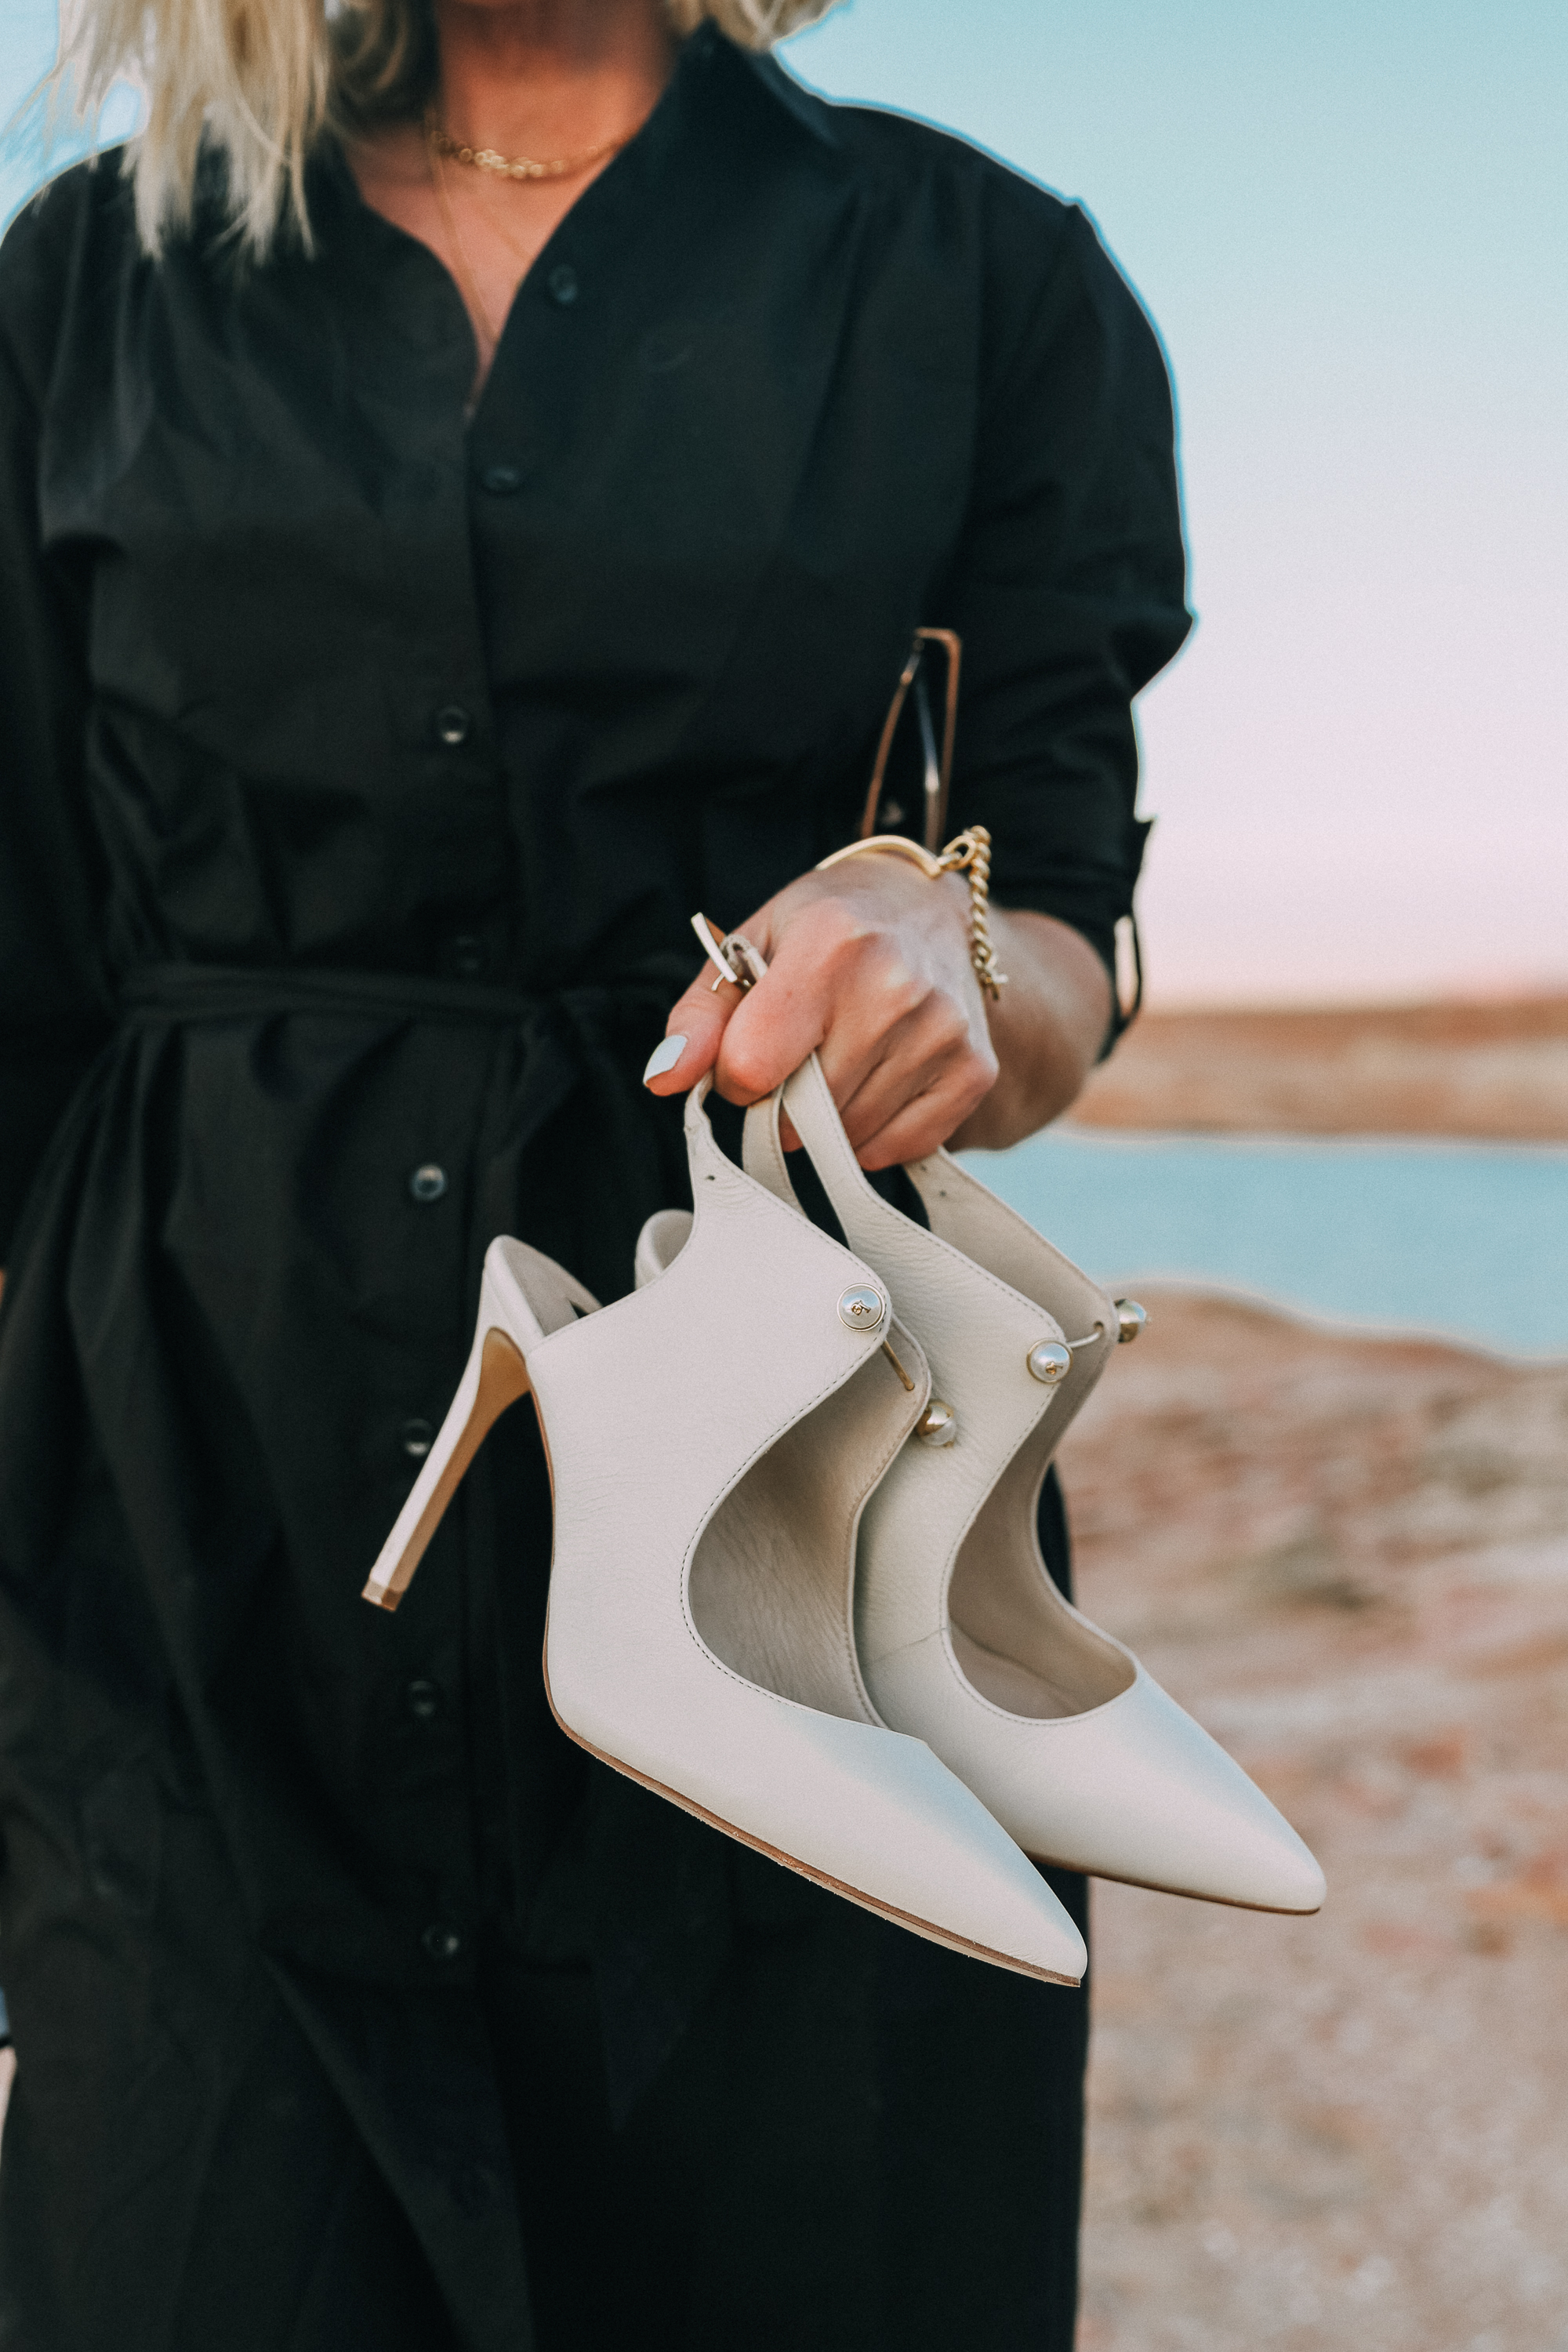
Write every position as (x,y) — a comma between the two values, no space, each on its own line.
(1350,1559)
(1483,1070)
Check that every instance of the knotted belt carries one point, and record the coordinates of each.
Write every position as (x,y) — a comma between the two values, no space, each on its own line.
(592,1037)
(213,992)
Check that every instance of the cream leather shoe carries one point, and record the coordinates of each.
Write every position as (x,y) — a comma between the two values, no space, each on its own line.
(712,1441)
(963,1639)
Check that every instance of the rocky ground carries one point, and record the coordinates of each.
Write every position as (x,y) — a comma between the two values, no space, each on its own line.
(1495,1070)
(1350,1558)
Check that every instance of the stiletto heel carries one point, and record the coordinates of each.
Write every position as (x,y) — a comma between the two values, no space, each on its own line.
(496,1376)
(714,1440)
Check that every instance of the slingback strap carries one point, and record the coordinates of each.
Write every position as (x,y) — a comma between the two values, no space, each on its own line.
(815,1116)
(762,1153)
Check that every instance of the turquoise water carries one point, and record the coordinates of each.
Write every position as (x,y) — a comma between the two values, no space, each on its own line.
(1465,1240)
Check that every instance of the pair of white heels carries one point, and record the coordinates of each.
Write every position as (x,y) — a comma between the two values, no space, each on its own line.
(804,1599)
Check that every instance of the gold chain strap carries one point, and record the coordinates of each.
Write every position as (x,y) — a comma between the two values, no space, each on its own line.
(968,852)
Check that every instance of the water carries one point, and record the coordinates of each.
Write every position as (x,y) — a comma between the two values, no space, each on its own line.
(1468,1241)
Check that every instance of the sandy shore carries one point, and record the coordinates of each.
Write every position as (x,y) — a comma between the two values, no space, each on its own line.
(1351,1559)
(1495,1070)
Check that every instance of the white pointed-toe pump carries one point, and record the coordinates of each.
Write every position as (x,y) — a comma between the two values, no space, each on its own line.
(712,1441)
(963,1637)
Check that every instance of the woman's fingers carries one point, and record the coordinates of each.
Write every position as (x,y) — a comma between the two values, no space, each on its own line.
(871,970)
(921,1125)
(831,986)
(697,1021)
(817,983)
(931,1055)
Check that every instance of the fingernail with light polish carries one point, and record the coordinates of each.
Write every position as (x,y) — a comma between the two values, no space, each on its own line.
(664,1057)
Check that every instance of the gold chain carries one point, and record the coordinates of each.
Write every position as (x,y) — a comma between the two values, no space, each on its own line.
(518,167)
(970,852)
(967,853)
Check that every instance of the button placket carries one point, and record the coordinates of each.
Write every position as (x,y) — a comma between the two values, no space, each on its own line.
(427,1184)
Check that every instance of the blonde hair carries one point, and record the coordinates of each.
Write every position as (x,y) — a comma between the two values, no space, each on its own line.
(261,80)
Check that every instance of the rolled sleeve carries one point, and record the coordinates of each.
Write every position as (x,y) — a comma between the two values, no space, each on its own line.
(1069,590)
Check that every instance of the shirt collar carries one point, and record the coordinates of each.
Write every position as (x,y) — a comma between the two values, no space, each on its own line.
(712,73)
(708,50)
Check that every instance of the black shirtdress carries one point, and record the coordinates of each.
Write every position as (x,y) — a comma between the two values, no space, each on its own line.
(360,768)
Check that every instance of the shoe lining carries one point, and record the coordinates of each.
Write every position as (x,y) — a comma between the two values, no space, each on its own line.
(1015,1637)
(772,1581)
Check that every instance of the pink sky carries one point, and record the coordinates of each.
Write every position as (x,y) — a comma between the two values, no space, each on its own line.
(1350,224)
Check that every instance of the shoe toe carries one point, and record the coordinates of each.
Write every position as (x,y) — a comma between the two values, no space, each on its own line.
(1216,1832)
(876,1815)
(991,1895)
(1139,1791)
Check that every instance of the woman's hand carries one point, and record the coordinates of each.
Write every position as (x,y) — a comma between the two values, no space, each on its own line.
(869,966)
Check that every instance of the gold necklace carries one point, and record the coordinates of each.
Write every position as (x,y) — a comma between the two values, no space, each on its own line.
(518,167)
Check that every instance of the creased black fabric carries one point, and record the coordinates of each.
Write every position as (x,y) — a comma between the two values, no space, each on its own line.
(361,765)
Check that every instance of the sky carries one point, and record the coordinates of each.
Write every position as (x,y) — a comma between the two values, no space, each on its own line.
(1350,222)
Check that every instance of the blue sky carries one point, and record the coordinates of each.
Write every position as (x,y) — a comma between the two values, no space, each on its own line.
(1351,223)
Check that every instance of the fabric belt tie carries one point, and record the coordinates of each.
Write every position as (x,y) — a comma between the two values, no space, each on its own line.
(598,1035)
(202,991)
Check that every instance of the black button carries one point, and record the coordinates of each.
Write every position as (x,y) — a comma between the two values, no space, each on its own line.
(453,725)
(474,2189)
(417,1437)
(501,480)
(427,1184)
(563,284)
(465,956)
(441,1940)
(423,1699)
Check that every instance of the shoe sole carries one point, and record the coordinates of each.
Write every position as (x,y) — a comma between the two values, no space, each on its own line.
(1188,1893)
